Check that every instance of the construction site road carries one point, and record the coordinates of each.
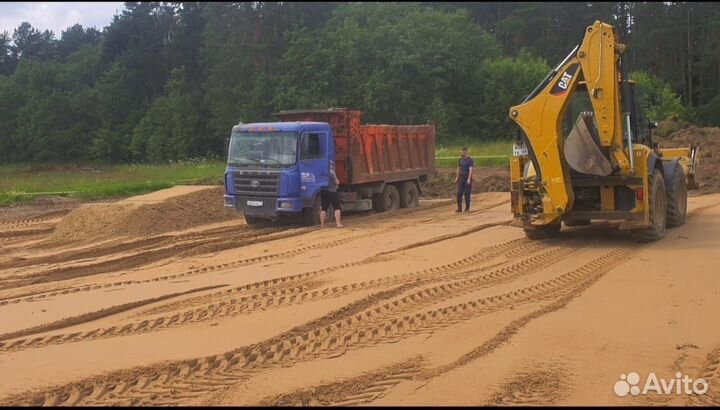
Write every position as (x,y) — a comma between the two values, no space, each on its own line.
(106,304)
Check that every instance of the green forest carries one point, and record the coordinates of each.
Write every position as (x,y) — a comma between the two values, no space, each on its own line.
(167,80)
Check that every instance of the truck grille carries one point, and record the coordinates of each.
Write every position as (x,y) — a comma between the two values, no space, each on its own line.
(256,183)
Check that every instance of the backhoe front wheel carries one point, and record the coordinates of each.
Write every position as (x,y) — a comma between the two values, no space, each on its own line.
(677,199)
(657,202)
(543,231)
(577,222)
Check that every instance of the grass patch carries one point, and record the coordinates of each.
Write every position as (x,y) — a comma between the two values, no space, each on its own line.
(479,162)
(21,183)
(488,154)
(13,197)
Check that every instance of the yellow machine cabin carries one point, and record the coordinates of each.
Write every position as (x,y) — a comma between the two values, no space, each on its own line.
(596,166)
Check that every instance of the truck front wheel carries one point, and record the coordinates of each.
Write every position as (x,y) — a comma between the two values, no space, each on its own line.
(409,195)
(254,220)
(311,216)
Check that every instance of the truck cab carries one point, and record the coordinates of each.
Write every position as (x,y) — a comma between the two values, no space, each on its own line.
(277,169)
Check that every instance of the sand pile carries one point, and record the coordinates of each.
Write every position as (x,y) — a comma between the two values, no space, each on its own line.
(172,209)
(708,139)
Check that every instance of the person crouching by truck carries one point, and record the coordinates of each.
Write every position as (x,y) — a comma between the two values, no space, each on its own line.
(328,196)
(463,179)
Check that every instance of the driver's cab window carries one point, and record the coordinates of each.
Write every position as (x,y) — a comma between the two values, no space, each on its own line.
(311,146)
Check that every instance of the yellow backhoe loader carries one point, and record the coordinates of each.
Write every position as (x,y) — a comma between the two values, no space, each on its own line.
(598,166)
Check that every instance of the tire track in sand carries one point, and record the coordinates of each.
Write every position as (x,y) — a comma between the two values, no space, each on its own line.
(192,272)
(711,374)
(88,317)
(327,337)
(356,390)
(542,385)
(20,223)
(538,387)
(513,248)
(301,294)
(9,235)
(132,261)
(90,270)
(588,275)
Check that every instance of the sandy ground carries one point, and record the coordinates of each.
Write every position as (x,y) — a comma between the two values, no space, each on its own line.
(412,307)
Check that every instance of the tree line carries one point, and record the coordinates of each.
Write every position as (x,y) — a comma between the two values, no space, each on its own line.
(167,80)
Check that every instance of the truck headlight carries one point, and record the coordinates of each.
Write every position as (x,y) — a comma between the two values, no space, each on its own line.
(285,205)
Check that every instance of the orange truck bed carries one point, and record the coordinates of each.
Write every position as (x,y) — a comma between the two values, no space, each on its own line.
(373,153)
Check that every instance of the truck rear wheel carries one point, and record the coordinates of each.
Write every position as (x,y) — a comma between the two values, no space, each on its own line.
(658,211)
(543,232)
(409,195)
(389,200)
(677,199)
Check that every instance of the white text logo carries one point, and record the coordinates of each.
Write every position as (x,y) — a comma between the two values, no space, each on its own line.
(681,384)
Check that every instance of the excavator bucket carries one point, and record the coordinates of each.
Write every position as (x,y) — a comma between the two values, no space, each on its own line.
(582,152)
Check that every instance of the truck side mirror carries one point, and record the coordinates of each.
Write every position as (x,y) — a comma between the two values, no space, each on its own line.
(227,146)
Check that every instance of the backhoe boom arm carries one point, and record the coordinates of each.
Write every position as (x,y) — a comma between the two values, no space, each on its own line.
(596,60)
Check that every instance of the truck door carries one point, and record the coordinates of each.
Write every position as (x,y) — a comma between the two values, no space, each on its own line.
(314,162)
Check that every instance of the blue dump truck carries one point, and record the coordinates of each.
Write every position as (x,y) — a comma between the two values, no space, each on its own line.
(277,169)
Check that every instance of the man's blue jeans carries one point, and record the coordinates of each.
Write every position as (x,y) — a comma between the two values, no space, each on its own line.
(464,189)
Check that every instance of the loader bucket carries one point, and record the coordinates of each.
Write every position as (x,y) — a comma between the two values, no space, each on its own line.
(582,152)
(694,160)
(688,159)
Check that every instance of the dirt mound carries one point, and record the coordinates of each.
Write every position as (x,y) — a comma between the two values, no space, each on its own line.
(172,209)
(485,179)
(494,183)
(708,139)
(51,201)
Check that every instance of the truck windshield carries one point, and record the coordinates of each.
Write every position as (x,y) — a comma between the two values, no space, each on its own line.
(265,148)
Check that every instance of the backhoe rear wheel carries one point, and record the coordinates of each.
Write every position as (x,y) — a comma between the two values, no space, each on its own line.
(677,199)
(658,211)
(543,232)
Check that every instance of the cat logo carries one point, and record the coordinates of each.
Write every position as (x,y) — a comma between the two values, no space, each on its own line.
(561,87)
(564,81)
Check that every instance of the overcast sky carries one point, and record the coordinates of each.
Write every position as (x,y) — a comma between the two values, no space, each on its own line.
(57,16)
